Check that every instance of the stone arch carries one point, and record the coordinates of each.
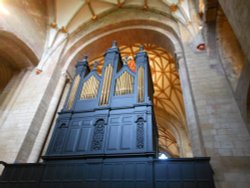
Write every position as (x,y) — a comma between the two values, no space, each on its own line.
(14,53)
(98,41)
(116,21)
(24,54)
(86,45)
(16,57)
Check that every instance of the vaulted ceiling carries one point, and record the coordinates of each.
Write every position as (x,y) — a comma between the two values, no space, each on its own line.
(70,14)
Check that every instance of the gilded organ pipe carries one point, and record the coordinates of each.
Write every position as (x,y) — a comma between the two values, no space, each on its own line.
(129,84)
(73,92)
(118,87)
(106,91)
(103,86)
(124,84)
(109,83)
(141,84)
(90,88)
(87,89)
(106,85)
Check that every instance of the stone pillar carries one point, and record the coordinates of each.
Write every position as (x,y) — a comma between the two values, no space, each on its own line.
(60,106)
(48,120)
(190,109)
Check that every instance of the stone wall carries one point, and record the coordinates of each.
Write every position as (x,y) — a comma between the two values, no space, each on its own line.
(224,134)
(230,53)
(237,13)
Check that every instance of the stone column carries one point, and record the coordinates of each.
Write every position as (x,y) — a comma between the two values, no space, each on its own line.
(48,120)
(190,109)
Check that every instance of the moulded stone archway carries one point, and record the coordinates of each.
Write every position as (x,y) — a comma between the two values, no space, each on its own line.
(14,55)
(82,40)
(15,58)
(157,33)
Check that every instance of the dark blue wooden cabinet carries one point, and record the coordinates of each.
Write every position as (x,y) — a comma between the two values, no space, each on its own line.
(111,172)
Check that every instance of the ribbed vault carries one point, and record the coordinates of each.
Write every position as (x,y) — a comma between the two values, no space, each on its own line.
(69,15)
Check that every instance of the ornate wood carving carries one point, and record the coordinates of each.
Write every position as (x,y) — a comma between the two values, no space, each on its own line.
(140,134)
(98,135)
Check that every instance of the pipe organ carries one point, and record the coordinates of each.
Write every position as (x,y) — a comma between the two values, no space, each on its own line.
(109,114)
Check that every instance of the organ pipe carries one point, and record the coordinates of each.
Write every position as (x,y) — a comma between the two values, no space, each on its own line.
(141,84)
(90,88)
(124,84)
(73,92)
(106,85)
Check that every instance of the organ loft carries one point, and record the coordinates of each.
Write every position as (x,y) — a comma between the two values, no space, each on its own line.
(106,136)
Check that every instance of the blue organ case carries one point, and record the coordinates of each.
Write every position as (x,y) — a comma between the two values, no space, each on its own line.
(107,115)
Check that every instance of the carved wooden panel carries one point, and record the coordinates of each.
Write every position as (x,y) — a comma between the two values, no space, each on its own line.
(140,134)
(98,136)
(59,137)
(85,139)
